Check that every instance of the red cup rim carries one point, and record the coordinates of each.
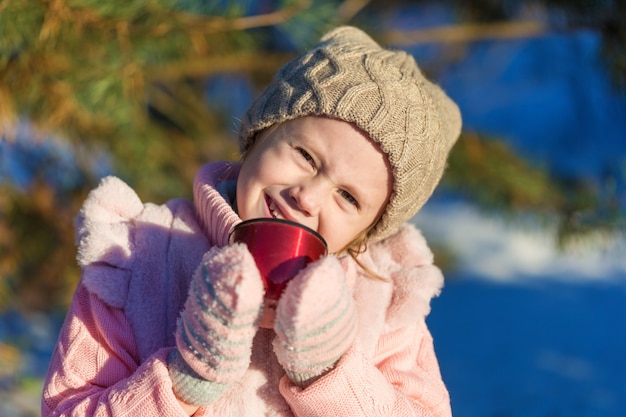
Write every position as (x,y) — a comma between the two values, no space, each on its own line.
(282,221)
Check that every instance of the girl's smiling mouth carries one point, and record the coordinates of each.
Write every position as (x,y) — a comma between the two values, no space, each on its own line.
(273,209)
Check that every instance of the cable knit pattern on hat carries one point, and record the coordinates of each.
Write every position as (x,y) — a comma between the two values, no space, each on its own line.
(348,76)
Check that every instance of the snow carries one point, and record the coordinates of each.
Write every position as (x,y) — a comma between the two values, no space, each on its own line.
(522,329)
(493,249)
(555,349)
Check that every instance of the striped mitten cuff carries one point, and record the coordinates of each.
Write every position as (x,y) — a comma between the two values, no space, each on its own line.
(316,322)
(216,328)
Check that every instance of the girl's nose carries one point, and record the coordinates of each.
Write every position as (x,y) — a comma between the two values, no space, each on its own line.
(307,197)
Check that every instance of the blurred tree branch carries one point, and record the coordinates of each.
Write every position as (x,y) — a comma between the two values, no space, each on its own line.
(492,175)
(245,61)
(463,33)
(350,8)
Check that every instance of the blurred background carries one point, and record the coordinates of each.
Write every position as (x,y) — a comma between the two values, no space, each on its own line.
(528,224)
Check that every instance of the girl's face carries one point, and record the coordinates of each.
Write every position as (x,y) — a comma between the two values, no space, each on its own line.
(320,172)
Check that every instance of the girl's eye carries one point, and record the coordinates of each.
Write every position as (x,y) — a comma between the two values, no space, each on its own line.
(348,197)
(307,157)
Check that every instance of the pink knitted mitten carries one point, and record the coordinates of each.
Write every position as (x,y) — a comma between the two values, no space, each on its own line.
(216,328)
(316,322)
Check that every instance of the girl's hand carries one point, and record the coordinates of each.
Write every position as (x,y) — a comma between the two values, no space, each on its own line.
(316,321)
(216,328)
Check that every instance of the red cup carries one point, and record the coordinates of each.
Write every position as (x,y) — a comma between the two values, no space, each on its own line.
(281,248)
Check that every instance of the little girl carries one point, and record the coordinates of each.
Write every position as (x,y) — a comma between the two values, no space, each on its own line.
(350,140)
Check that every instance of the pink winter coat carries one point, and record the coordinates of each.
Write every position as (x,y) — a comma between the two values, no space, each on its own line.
(138,260)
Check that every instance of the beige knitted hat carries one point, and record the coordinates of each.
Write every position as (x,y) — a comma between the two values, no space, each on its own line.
(348,76)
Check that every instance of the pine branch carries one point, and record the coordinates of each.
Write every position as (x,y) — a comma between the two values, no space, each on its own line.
(264,20)
(211,65)
(350,8)
(469,32)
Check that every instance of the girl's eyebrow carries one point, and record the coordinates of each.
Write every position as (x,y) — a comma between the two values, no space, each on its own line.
(356,188)
(359,193)
(308,143)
